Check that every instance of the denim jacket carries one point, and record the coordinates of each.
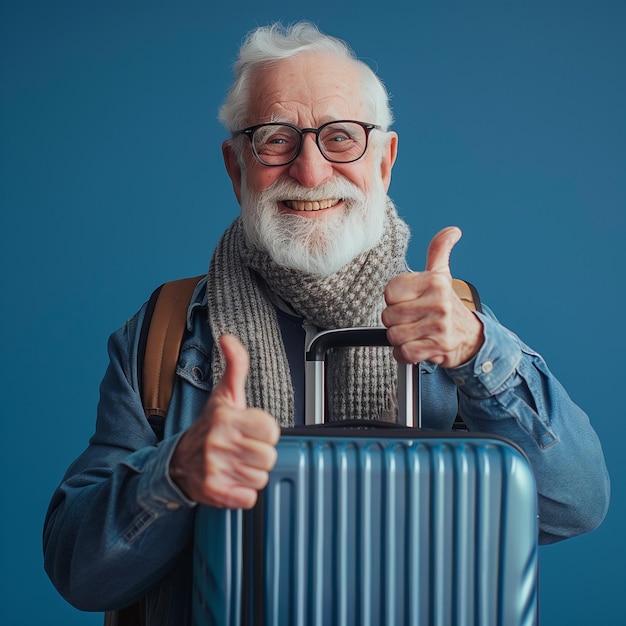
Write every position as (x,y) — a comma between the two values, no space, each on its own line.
(118,527)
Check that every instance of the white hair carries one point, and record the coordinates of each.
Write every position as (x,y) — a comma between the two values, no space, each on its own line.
(271,43)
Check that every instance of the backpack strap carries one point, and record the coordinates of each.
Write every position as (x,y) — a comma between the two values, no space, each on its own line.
(468,294)
(159,346)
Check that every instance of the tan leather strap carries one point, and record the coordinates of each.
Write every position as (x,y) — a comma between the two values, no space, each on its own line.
(167,327)
(467,293)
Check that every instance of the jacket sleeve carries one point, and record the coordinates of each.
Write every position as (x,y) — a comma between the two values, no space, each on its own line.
(117,523)
(508,390)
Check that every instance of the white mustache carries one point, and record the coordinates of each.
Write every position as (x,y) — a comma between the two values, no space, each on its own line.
(283,190)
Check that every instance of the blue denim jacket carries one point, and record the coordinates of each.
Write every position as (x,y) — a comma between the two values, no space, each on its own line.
(117,526)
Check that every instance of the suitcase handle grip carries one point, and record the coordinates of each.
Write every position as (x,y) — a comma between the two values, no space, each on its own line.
(409,401)
(345,338)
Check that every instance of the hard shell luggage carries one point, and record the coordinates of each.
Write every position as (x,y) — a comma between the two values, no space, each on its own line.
(374,526)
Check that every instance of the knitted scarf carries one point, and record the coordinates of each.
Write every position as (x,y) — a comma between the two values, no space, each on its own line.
(361,382)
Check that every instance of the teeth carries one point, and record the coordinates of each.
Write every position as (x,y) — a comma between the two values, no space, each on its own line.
(306,205)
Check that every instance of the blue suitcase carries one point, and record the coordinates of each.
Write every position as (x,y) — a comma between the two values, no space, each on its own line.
(373,526)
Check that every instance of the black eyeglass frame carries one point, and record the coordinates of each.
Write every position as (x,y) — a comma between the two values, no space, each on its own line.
(249,133)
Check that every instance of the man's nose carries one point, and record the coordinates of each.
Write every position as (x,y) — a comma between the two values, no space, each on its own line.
(310,168)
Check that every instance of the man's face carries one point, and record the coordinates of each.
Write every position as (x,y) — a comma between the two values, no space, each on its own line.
(311,200)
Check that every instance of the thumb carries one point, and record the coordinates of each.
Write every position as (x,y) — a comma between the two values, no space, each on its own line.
(232,385)
(440,248)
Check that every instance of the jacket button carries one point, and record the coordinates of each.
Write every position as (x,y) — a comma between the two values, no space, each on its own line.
(196,372)
(487,367)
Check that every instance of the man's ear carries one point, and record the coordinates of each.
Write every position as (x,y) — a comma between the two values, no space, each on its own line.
(390,152)
(232,167)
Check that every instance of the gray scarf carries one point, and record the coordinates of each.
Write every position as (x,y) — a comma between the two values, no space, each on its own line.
(361,382)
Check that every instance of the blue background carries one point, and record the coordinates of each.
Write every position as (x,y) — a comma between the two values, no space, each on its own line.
(511,118)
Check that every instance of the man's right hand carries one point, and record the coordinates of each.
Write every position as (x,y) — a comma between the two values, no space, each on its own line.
(224,458)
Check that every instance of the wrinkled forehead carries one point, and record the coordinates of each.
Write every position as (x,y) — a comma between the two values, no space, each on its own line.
(307,89)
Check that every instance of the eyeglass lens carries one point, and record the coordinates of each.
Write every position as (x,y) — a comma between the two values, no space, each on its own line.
(340,142)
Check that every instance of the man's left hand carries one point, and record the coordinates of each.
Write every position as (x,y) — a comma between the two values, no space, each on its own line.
(425,319)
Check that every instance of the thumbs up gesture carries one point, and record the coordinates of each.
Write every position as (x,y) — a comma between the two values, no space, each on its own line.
(224,457)
(425,319)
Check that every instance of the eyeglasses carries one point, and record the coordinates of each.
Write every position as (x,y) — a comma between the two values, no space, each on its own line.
(277,143)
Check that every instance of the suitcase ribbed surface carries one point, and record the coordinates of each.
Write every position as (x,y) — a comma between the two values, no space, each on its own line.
(364,531)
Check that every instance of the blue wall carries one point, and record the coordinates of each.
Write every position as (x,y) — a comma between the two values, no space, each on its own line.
(511,122)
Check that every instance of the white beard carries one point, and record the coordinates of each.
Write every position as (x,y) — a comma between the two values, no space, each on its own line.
(312,245)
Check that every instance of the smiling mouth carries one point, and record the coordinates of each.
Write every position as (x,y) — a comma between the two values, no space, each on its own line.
(310,205)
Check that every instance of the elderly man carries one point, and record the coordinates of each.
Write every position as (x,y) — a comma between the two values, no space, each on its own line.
(318,245)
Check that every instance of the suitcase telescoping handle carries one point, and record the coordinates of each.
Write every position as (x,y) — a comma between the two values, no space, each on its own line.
(409,404)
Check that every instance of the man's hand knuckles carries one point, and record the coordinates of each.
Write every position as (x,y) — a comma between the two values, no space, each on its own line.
(271,458)
(246,500)
(257,480)
(235,498)
(408,352)
(222,482)
(400,334)
(403,287)
(261,426)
